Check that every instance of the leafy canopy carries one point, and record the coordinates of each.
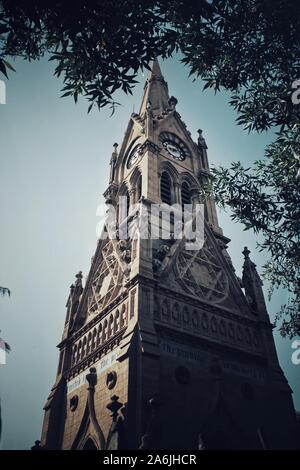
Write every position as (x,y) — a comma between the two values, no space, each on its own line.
(249,47)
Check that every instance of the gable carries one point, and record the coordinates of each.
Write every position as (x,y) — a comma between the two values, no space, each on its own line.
(205,274)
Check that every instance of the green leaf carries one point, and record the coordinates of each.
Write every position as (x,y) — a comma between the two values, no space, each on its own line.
(3,68)
(8,65)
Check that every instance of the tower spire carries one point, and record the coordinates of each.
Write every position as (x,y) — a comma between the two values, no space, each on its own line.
(162,309)
(253,284)
(156,94)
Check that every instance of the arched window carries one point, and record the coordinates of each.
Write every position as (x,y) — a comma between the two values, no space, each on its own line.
(83,351)
(185,316)
(123,320)
(79,351)
(89,445)
(74,355)
(89,343)
(176,313)
(123,207)
(104,333)
(117,322)
(127,201)
(110,326)
(186,200)
(94,339)
(166,188)
(139,188)
(99,334)
(185,194)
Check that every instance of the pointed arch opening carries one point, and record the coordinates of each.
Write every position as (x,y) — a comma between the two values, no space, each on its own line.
(89,343)
(123,203)
(117,322)
(185,194)
(83,351)
(79,350)
(99,335)
(104,331)
(166,188)
(136,184)
(74,355)
(89,445)
(94,339)
(110,326)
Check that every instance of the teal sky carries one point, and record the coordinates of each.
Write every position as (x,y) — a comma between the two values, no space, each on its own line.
(54,169)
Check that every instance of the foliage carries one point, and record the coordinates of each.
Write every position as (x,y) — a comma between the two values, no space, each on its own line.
(249,47)
(98,45)
(266,199)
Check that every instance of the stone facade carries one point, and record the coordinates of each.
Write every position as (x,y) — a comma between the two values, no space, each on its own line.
(164,347)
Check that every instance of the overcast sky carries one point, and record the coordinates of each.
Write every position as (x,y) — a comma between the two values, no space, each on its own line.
(54,169)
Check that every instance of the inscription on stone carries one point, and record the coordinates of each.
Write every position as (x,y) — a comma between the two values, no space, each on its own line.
(190,354)
(101,365)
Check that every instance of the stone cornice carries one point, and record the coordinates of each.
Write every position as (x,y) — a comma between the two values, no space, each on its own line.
(150,146)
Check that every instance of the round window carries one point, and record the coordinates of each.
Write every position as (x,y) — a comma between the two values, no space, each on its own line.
(182,375)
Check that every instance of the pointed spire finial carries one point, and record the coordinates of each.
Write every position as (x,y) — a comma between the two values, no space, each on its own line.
(173,102)
(156,70)
(253,285)
(91,378)
(246,252)
(201,140)
(156,91)
(248,263)
(115,151)
(78,278)
(114,406)
(113,161)
(76,289)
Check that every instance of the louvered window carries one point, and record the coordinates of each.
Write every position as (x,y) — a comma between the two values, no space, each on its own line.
(165,188)
(185,194)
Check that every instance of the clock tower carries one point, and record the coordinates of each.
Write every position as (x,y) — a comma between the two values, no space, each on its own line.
(164,347)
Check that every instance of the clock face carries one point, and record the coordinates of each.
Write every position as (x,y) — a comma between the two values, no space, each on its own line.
(174,146)
(174,150)
(134,156)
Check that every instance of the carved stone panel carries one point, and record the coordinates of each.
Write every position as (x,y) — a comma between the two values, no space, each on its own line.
(106,282)
(201,274)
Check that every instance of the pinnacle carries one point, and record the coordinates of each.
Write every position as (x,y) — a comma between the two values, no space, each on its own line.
(156,70)
(156,91)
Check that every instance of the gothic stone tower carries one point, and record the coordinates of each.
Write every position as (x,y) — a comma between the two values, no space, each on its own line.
(165,347)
